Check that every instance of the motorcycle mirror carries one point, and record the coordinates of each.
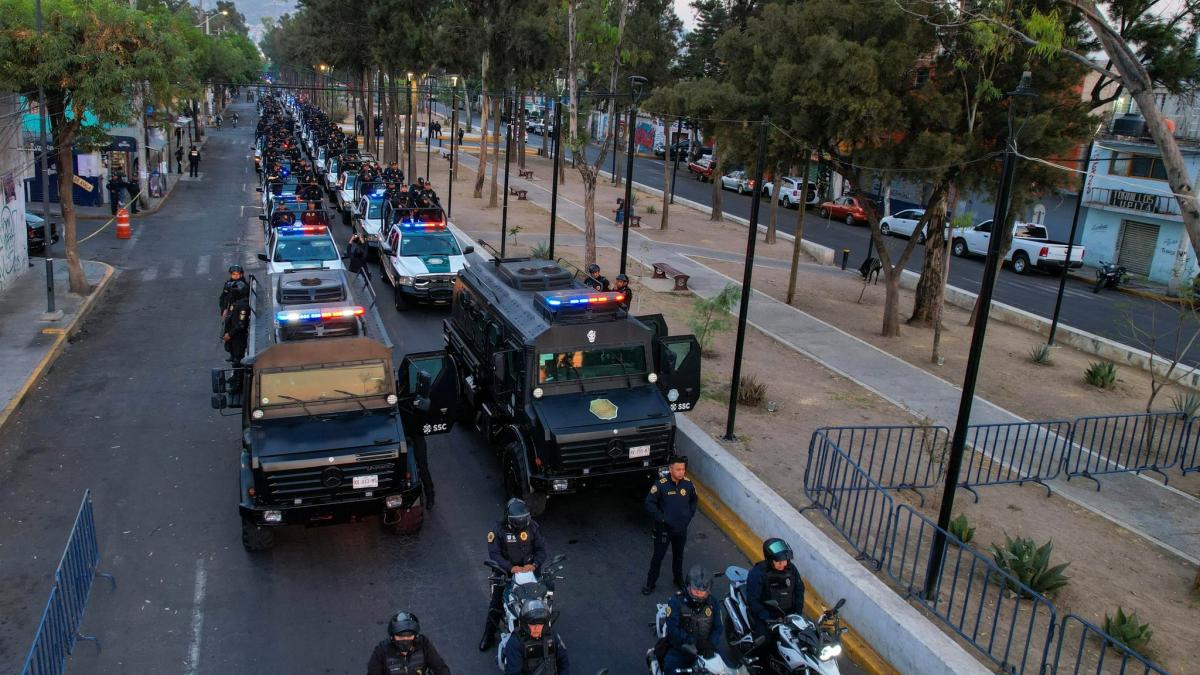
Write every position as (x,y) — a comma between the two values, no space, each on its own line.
(838,605)
(690,650)
(558,558)
(843,629)
(492,564)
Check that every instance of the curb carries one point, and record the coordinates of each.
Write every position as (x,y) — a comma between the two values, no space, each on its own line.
(1136,292)
(64,334)
(724,518)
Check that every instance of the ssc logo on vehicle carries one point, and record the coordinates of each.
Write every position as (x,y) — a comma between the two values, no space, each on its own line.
(433,428)
(681,406)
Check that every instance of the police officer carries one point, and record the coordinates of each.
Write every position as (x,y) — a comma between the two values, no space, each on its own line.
(194,162)
(235,289)
(595,279)
(237,331)
(407,651)
(534,649)
(622,286)
(693,618)
(515,544)
(774,578)
(672,503)
(115,186)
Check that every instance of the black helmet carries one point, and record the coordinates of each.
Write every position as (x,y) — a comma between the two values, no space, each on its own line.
(698,579)
(593,268)
(516,514)
(534,612)
(776,550)
(236,268)
(623,277)
(404,622)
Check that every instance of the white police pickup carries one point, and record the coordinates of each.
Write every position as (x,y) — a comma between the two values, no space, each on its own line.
(368,221)
(291,247)
(422,259)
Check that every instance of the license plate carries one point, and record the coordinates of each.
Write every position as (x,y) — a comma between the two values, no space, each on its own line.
(639,451)
(366,482)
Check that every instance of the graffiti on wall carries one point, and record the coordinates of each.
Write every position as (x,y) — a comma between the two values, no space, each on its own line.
(14,258)
(643,137)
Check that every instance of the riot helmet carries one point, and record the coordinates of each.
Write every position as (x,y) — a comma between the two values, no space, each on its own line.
(407,627)
(776,550)
(535,616)
(516,515)
(593,269)
(236,269)
(699,583)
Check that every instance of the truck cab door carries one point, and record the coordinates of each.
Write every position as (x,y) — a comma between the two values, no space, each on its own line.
(428,384)
(678,359)
(656,323)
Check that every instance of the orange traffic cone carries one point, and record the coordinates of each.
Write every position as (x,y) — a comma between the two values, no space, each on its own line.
(124,231)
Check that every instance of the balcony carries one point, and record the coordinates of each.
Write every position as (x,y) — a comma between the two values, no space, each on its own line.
(1132,200)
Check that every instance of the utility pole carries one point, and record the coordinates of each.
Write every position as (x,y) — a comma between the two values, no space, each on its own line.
(51,314)
(507,161)
(1062,281)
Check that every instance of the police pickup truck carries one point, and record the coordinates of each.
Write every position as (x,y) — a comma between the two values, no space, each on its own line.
(422,256)
(309,303)
(299,247)
(569,388)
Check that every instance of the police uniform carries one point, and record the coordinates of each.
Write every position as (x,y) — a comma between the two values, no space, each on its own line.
(526,655)
(765,583)
(237,327)
(627,302)
(599,283)
(387,659)
(672,505)
(696,624)
(233,291)
(509,549)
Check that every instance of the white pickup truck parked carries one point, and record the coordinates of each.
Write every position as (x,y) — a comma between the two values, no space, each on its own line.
(1031,247)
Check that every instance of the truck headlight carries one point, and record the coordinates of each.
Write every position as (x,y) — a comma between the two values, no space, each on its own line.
(393,501)
(663,471)
(830,652)
(560,485)
(652,377)
(272,516)
(537,392)
(404,281)
(673,395)
(392,399)
(257,414)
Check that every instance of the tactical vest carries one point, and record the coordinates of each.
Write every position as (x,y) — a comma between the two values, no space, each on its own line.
(516,546)
(702,622)
(399,664)
(782,590)
(540,654)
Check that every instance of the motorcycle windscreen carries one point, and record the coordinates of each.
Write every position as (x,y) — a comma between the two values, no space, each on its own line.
(428,383)
(679,370)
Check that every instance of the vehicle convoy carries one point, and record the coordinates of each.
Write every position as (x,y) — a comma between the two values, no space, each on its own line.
(420,256)
(569,388)
(520,588)
(799,646)
(1031,247)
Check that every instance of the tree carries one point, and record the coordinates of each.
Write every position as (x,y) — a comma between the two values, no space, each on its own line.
(90,59)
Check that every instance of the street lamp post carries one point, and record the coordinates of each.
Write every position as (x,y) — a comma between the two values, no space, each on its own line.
(636,85)
(616,141)
(560,83)
(50,310)
(1062,281)
(507,163)
(453,139)
(209,16)
(1022,96)
(429,123)
(671,148)
(408,125)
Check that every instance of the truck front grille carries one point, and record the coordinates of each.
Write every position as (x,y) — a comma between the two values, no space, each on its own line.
(305,296)
(606,454)
(323,484)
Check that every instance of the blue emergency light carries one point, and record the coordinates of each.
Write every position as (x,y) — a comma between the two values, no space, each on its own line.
(414,224)
(557,302)
(301,229)
(319,315)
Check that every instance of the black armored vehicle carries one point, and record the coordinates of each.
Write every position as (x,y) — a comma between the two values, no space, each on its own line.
(562,381)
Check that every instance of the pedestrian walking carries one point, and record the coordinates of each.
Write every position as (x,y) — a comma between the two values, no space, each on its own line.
(672,503)
(194,162)
(179,160)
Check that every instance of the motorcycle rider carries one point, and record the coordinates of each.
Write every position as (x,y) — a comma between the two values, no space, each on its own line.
(515,544)
(406,651)
(693,618)
(774,578)
(534,648)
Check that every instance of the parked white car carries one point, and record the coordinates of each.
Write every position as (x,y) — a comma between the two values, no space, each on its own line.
(1031,247)
(903,224)
(789,194)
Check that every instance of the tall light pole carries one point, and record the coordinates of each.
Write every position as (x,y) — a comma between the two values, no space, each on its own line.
(453,139)
(208,16)
(508,136)
(560,84)
(671,148)
(1022,97)
(429,123)
(1062,281)
(51,312)
(637,84)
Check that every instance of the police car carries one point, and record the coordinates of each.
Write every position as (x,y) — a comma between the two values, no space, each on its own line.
(312,304)
(422,257)
(301,246)
(368,220)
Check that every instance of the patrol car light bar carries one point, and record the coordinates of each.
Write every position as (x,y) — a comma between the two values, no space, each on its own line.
(423,225)
(301,229)
(584,300)
(319,314)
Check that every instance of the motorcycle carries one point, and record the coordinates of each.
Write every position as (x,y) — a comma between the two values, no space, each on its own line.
(801,646)
(706,664)
(1109,275)
(519,588)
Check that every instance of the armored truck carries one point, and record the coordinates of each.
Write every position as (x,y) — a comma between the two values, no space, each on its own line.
(568,387)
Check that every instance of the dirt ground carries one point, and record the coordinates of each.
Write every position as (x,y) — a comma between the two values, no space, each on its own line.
(1124,571)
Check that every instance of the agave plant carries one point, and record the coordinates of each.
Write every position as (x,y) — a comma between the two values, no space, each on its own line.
(961,528)
(1125,628)
(1030,564)
(1101,374)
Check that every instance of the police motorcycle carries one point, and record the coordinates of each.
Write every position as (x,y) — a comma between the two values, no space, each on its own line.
(706,664)
(801,646)
(519,588)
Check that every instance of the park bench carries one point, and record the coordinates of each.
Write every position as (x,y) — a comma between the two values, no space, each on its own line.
(526,173)
(520,194)
(665,271)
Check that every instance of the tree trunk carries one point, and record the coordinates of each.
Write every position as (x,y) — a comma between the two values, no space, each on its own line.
(799,231)
(716,214)
(387,112)
(62,134)
(493,200)
(481,175)
(414,96)
(666,197)
(369,117)
(932,285)
(775,185)
(589,214)
(891,302)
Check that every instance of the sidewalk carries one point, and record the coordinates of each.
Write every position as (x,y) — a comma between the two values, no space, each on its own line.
(29,344)
(1163,515)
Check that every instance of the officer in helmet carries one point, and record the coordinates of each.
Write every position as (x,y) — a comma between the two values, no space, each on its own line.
(694,619)
(596,280)
(534,648)
(775,578)
(406,651)
(235,289)
(515,544)
(236,334)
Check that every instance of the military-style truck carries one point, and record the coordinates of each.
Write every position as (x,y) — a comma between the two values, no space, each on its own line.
(567,386)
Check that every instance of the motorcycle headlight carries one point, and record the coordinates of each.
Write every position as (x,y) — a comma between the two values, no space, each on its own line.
(830,652)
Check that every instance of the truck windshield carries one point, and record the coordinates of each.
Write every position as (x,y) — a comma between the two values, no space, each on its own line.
(587,364)
(304,249)
(374,209)
(323,384)
(430,244)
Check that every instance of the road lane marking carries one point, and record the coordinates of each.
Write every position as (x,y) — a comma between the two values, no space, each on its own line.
(202,264)
(150,273)
(176,269)
(193,659)
(226,260)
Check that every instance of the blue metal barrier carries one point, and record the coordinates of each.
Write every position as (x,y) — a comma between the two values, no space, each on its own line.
(59,627)
(1098,659)
(1126,444)
(1189,450)
(897,457)
(1014,630)
(1020,452)
(856,505)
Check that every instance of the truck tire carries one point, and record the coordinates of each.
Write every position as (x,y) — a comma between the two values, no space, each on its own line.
(1020,263)
(399,299)
(515,485)
(959,248)
(256,538)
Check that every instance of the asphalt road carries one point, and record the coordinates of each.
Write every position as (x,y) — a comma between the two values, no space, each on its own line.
(125,412)
(1107,313)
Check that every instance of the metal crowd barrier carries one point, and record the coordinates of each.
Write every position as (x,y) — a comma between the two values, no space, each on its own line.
(1127,444)
(59,627)
(1013,629)
(1108,654)
(1189,451)
(897,457)
(1020,452)
(855,504)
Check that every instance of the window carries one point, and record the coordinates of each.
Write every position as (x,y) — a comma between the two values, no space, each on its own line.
(1137,166)
(430,244)
(305,249)
(985,226)
(324,384)
(586,364)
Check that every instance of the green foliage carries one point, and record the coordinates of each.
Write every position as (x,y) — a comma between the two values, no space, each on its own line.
(540,250)
(961,528)
(1030,564)
(651,209)
(1102,374)
(751,391)
(710,316)
(1126,629)
(1040,354)
(1186,403)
